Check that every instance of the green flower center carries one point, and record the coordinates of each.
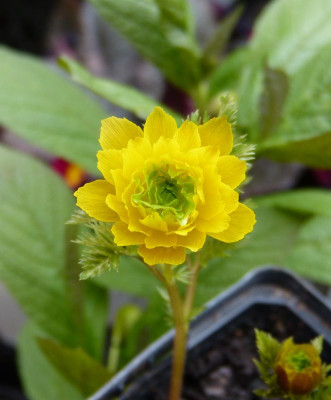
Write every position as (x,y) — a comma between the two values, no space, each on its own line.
(168,192)
(299,360)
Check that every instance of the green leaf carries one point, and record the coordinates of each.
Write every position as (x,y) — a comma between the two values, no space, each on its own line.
(272,99)
(141,23)
(302,201)
(34,207)
(47,110)
(268,348)
(311,256)
(122,95)
(318,344)
(40,378)
(305,131)
(177,12)
(287,35)
(35,204)
(222,34)
(76,366)
(227,75)
(132,277)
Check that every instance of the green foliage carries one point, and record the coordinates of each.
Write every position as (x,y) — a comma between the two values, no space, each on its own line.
(268,348)
(82,371)
(117,93)
(272,99)
(40,378)
(151,31)
(39,269)
(132,277)
(227,75)
(100,253)
(220,38)
(126,318)
(293,37)
(48,111)
(34,207)
(307,202)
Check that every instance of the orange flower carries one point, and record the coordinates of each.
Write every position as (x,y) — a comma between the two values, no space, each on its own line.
(298,367)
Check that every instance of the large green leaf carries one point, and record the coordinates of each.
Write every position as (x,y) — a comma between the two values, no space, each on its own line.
(44,108)
(287,35)
(76,366)
(35,204)
(303,201)
(122,95)
(294,37)
(305,131)
(142,23)
(311,256)
(41,379)
(132,277)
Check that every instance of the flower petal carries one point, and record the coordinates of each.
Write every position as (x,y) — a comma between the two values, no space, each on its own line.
(92,199)
(108,160)
(154,221)
(232,170)
(157,239)
(158,124)
(229,197)
(193,241)
(242,222)
(117,206)
(160,255)
(188,136)
(217,132)
(218,223)
(116,132)
(123,237)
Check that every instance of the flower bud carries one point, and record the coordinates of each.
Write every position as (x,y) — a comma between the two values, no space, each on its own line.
(298,367)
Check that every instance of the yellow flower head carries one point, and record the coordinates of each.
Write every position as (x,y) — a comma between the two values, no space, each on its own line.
(298,367)
(166,188)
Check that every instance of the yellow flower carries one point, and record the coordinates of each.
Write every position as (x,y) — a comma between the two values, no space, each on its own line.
(166,188)
(298,367)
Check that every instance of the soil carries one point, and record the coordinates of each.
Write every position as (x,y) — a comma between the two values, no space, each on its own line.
(222,368)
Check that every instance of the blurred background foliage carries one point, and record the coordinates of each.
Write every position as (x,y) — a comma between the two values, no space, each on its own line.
(281,80)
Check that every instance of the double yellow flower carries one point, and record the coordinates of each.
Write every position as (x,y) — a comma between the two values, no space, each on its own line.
(165,188)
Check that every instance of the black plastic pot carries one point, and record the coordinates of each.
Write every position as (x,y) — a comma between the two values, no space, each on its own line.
(261,292)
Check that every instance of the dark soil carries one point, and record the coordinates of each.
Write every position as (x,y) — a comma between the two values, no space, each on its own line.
(222,368)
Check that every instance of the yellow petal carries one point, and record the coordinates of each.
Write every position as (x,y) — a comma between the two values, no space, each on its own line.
(229,197)
(119,182)
(212,202)
(92,199)
(193,241)
(162,255)
(108,160)
(157,239)
(117,206)
(158,124)
(242,222)
(116,132)
(123,237)
(154,221)
(232,170)
(217,132)
(188,136)
(218,223)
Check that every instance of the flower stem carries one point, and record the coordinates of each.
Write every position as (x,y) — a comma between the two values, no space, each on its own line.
(179,350)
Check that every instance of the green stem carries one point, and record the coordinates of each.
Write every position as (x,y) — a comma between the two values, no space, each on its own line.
(179,350)
(190,289)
